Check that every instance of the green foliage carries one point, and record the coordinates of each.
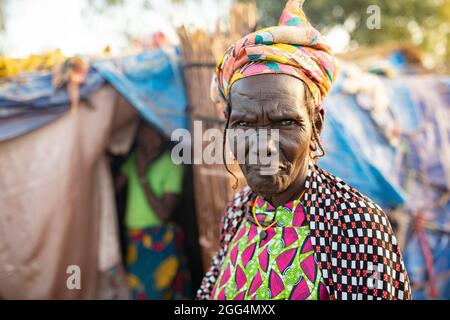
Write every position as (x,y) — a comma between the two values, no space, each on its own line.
(425,22)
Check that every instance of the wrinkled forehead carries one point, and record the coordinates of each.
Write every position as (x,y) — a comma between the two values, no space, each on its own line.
(271,93)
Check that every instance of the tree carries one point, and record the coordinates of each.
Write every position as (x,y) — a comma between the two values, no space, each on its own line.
(423,22)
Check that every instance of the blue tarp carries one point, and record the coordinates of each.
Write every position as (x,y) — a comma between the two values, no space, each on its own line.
(153,84)
(35,90)
(150,81)
(364,155)
(29,101)
(414,175)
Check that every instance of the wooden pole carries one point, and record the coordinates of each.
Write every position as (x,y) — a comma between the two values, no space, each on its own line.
(212,183)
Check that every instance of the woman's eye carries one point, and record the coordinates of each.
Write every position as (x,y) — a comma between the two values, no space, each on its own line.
(242,124)
(288,122)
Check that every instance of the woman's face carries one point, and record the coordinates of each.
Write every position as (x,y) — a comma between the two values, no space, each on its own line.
(149,141)
(272,101)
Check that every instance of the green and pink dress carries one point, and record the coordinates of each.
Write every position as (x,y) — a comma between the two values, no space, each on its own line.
(276,264)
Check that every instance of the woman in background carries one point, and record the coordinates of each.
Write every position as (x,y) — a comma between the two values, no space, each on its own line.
(154,259)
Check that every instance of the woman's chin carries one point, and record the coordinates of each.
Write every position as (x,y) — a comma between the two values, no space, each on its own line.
(265,184)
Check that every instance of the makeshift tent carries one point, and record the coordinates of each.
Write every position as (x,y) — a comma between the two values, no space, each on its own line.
(150,81)
(52,203)
(57,204)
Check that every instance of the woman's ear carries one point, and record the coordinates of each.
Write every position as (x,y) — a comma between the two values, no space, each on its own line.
(313,145)
(322,113)
(318,124)
(319,115)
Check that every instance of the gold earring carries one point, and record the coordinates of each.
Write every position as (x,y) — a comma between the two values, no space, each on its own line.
(236,183)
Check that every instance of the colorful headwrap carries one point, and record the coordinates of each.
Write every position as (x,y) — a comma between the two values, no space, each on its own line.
(294,47)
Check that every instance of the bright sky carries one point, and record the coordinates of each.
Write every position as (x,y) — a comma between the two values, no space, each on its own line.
(33,26)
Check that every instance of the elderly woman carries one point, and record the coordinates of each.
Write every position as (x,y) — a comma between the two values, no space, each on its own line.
(300,233)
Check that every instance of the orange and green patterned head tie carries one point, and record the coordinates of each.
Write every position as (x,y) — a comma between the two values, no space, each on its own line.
(294,47)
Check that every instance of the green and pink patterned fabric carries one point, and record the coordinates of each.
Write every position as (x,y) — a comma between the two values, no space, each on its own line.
(280,266)
(294,47)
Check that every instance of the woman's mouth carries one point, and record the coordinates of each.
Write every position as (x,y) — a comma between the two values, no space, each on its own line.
(266,169)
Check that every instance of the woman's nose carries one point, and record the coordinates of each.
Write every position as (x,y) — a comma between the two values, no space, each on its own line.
(264,146)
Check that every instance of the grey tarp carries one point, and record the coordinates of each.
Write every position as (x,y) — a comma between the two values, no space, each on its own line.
(51,201)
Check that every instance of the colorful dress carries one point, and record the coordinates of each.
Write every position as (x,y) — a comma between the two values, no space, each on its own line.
(156,265)
(277,264)
(155,262)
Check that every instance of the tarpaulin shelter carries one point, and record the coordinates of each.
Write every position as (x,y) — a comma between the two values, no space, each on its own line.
(150,81)
(57,204)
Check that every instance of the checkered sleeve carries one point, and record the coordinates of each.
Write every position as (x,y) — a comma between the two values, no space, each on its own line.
(384,270)
(355,244)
